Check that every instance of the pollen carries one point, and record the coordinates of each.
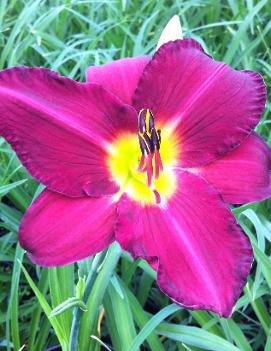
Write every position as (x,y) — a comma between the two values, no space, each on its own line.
(147,183)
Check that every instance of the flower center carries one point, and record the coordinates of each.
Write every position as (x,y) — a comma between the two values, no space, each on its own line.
(149,142)
(142,164)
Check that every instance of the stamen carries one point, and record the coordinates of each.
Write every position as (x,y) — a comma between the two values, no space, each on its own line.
(159,135)
(149,169)
(141,164)
(149,142)
(142,121)
(155,139)
(149,121)
(158,164)
(157,196)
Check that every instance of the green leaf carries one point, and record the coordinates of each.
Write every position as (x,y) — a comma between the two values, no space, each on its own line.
(196,337)
(151,325)
(4,189)
(68,304)
(13,313)
(47,310)
(90,319)
(121,308)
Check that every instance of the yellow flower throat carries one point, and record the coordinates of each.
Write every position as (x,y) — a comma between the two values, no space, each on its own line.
(142,164)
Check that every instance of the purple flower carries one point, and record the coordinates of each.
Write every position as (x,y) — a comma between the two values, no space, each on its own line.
(148,152)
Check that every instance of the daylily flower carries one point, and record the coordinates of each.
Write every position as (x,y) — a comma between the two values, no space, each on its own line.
(148,152)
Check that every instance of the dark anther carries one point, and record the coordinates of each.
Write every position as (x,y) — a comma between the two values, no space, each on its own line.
(142,121)
(155,139)
(145,143)
(149,142)
(159,135)
(142,145)
(151,121)
(149,138)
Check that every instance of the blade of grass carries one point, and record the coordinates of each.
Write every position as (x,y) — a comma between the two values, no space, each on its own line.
(89,319)
(47,310)
(152,324)
(121,308)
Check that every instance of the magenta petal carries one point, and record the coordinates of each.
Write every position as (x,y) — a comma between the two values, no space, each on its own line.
(58,230)
(119,77)
(211,106)
(60,128)
(202,255)
(243,175)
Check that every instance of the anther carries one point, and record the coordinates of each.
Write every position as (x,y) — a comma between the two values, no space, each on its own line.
(155,139)
(142,121)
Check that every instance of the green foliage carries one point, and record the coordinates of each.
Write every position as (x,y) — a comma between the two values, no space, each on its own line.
(110,302)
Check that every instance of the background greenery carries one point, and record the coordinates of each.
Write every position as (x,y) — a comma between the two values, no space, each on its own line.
(124,308)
